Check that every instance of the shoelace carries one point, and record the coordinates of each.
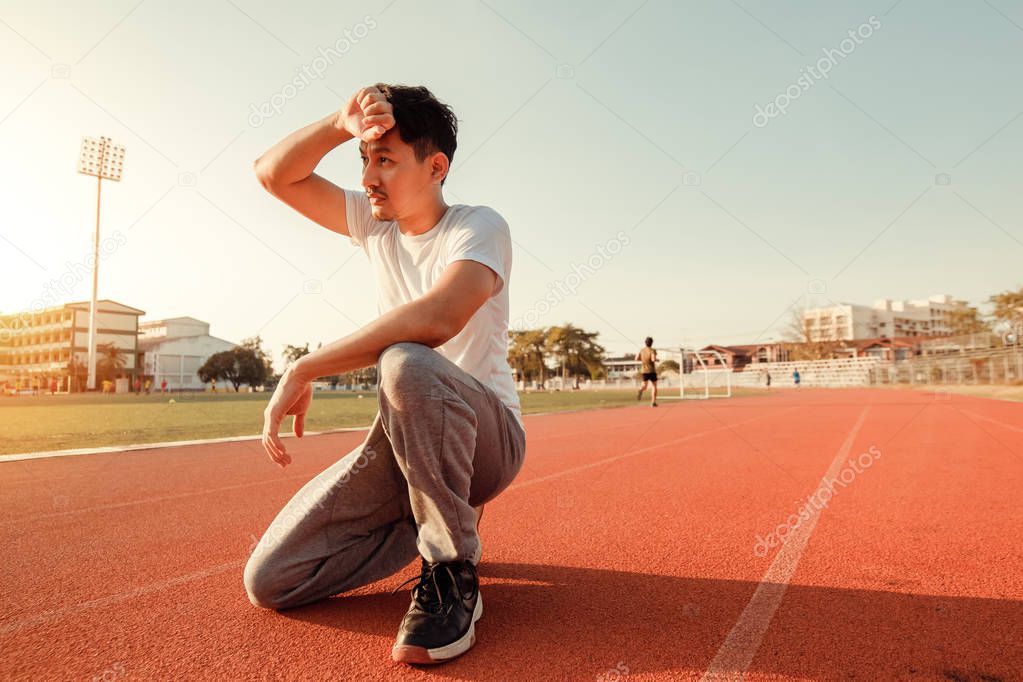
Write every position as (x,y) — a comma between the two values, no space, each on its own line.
(427,592)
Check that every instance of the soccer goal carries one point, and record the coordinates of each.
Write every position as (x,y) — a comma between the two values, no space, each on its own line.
(702,374)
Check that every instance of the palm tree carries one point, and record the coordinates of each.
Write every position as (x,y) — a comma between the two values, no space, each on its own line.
(578,351)
(77,371)
(112,360)
(528,353)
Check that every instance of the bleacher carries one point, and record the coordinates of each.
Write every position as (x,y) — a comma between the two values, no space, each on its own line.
(825,373)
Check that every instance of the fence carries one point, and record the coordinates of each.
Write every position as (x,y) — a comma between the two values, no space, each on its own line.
(1001,366)
(970,364)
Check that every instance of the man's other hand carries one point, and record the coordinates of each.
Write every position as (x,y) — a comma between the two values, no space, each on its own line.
(292,396)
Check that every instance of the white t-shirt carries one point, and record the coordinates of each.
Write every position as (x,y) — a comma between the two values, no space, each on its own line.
(407,267)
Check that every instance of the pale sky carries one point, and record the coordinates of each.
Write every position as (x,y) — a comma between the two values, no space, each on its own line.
(579,122)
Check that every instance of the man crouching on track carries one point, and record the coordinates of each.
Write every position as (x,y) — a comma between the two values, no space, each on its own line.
(448,435)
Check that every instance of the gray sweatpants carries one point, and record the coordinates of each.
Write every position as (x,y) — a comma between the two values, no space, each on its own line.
(441,444)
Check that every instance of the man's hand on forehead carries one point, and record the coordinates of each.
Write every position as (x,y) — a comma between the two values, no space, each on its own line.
(367,115)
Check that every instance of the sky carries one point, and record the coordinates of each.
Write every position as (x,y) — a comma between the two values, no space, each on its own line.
(691,171)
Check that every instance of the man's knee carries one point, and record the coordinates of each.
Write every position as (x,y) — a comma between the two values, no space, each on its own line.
(404,356)
(403,364)
(259,584)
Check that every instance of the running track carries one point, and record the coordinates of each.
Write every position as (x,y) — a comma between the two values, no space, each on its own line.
(624,551)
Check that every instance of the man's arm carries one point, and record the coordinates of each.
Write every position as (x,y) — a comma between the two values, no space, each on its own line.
(432,320)
(286,171)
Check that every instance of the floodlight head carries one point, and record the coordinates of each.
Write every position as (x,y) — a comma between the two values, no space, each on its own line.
(101,158)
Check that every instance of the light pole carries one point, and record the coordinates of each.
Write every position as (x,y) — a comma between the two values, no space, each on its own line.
(102,159)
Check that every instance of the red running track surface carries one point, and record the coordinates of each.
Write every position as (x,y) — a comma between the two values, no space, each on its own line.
(627,549)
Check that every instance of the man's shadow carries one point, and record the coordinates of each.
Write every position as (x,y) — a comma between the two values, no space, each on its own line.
(555,622)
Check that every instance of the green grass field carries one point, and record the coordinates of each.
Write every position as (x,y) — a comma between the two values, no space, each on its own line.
(38,423)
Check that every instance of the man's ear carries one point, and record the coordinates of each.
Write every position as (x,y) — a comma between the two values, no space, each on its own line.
(439,166)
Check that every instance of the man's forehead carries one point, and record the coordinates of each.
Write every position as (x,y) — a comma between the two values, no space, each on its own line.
(378,146)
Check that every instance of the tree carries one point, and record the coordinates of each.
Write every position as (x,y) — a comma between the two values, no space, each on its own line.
(528,353)
(78,372)
(669,366)
(218,366)
(254,376)
(112,360)
(577,351)
(244,364)
(253,367)
(1008,306)
(802,344)
(966,320)
(293,353)
(366,376)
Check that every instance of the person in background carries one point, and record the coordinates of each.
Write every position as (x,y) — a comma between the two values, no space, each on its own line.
(648,356)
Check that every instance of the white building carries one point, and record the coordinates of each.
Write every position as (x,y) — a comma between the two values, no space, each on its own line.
(885,319)
(174,349)
(622,366)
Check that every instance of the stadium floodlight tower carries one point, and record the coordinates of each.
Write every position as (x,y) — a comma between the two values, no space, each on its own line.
(102,159)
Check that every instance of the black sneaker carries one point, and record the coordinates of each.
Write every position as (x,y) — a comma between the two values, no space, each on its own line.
(441,621)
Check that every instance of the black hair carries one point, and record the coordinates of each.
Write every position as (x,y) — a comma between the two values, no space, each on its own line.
(423,122)
(649,341)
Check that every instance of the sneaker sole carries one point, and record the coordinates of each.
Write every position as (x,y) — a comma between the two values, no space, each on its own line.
(423,656)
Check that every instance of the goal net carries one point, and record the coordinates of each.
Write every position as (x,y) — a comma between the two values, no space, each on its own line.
(702,374)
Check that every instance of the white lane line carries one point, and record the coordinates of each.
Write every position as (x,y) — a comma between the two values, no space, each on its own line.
(993,421)
(160,586)
(741,645)
(158,446)
(633,453)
